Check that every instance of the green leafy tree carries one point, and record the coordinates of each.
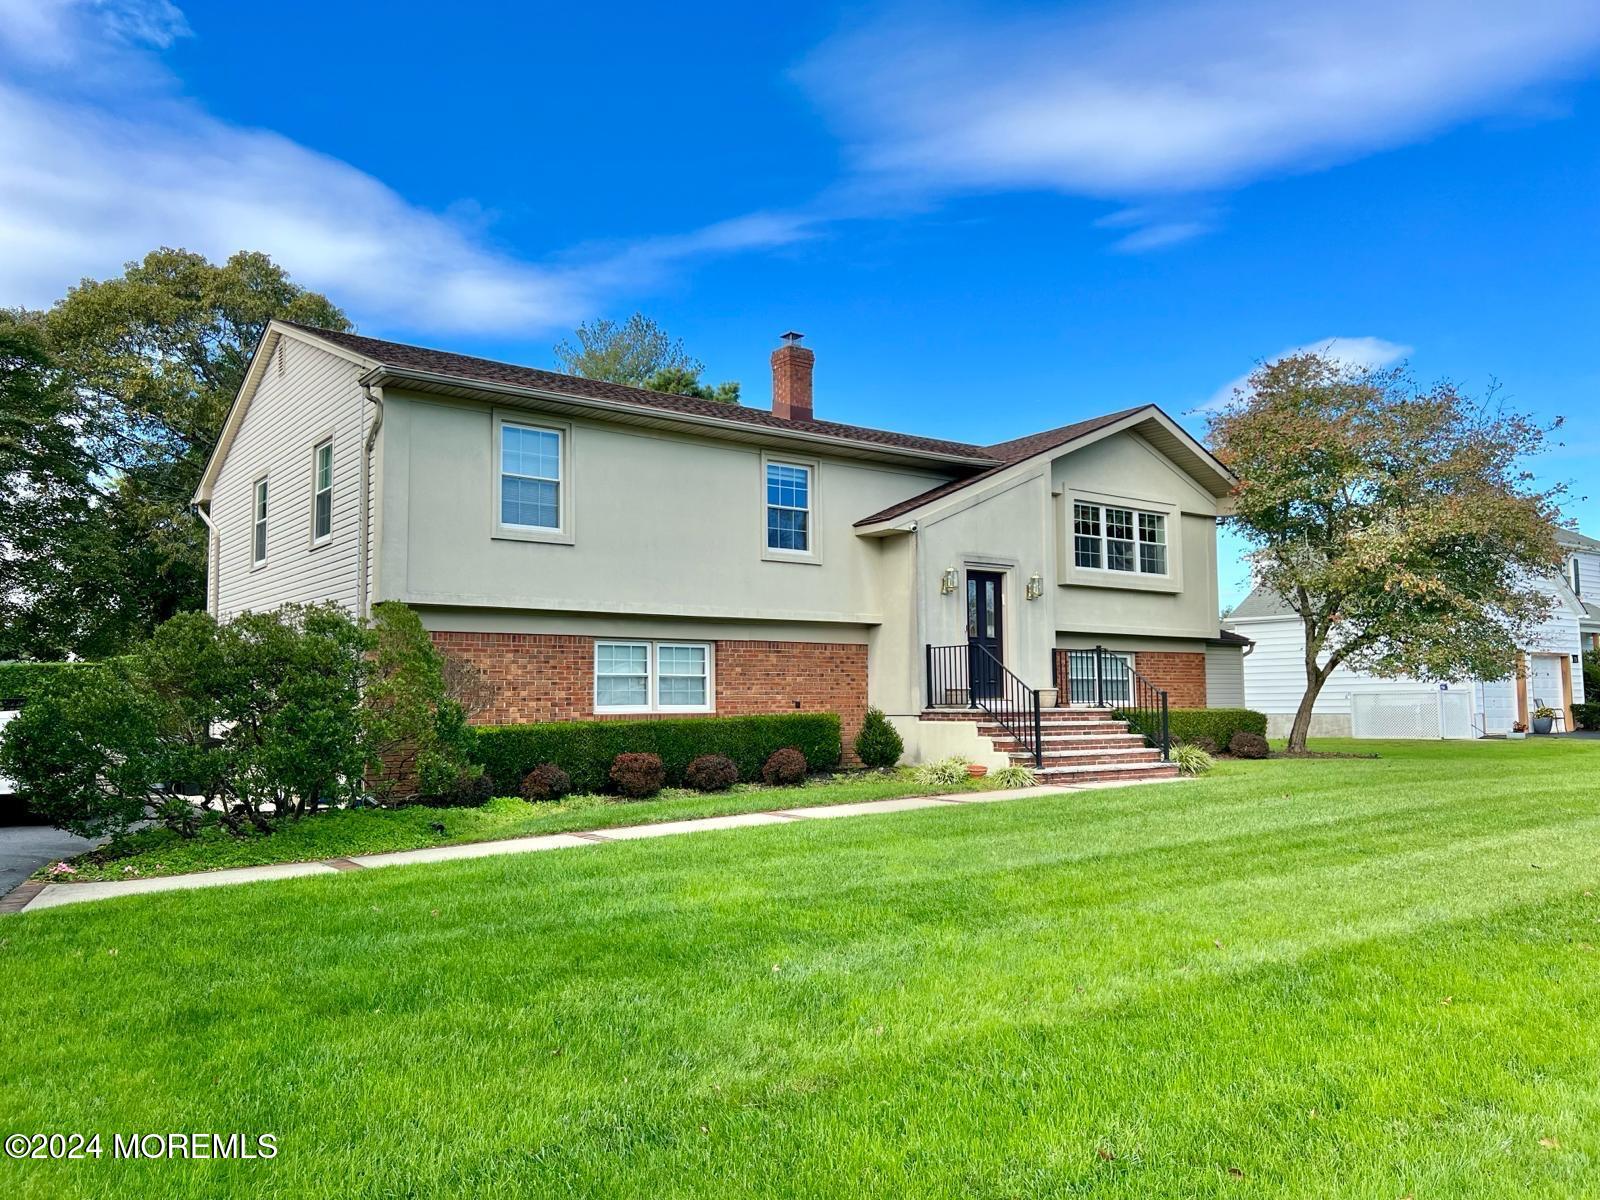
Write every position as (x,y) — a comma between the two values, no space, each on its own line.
(137,375)
(268,717)
(639,353)
(1399,523)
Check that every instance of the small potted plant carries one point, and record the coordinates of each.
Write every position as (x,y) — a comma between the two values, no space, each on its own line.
(1543,718)
(1519,731)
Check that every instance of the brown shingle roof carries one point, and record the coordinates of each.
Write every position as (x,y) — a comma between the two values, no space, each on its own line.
(484,370)
(1009,454)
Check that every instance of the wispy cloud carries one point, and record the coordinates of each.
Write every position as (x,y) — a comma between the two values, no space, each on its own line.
(122,164)
(1353,351)
(1145,99)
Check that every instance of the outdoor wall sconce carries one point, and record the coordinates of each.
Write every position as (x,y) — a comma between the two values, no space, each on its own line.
(948,581)
(1035,586)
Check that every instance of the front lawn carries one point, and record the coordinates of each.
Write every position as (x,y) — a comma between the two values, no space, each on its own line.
(344,832)
(1328,977)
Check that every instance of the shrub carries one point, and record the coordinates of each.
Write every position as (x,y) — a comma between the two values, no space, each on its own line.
(1012,777)
(1202,743)
(1248,745)
(786,766)
(711,773)
(1191,724)
(19,681)
(471,789)
(946,772)
(546,782)
(1587,716)
(878,744)
(585,749)
(1191,760)
(637,775)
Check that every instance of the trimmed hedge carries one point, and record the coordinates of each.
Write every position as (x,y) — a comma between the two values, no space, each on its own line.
(1191,724)
(20,680)
(1587,716)
(586,749)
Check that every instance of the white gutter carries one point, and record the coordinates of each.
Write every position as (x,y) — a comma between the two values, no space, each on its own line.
(213,563)
(363,534)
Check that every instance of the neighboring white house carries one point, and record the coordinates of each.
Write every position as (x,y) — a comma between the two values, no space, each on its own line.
(1356,704)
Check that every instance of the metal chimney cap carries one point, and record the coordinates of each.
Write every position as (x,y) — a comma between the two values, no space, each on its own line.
(792,338)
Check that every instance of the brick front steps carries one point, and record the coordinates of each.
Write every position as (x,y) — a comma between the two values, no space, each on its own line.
(1080,745)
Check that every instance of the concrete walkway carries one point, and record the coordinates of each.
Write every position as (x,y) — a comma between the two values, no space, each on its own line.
(52,894)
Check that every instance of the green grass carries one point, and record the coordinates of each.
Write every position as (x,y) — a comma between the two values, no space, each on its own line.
(345,832)
(1335,977)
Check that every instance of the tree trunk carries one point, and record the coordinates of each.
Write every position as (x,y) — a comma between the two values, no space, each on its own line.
(1315,677)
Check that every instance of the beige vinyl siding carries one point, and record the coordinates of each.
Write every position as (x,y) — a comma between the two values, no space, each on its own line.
(304,397)
(1224,677)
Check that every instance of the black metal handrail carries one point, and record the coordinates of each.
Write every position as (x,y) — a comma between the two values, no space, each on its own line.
(972,676)
(1106,679)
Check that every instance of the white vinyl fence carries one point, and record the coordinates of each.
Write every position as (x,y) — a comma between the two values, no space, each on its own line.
(1422,713)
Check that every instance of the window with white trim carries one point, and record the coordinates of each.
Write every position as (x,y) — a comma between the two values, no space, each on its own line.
(646,676)
(1115,672)
(788,508)
(322,492)
(258,535)
(1108,538)
(530,477)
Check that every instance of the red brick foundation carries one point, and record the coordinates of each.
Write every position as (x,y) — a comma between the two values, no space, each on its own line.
(550,677)
(1181,675)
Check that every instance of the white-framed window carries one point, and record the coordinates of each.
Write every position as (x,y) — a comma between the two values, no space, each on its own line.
(322,492)
(649,676)
(1116,677)
(530,477)
(1106,537)
(258,531)
(789,489)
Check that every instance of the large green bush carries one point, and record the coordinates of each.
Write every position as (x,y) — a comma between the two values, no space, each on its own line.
(586,749)
(22,680)
(1191,724)
(878,744)
(1587,715)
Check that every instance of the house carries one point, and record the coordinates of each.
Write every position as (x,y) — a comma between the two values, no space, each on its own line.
(603,550)
(1352,703)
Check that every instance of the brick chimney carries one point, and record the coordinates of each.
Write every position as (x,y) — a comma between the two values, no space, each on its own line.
(791,379)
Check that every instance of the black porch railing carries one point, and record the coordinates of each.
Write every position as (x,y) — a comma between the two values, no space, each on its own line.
(1106,679)
(970,676)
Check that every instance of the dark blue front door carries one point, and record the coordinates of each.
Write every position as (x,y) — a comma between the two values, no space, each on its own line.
(985,633)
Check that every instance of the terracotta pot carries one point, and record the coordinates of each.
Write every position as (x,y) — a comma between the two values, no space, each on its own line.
(977,770)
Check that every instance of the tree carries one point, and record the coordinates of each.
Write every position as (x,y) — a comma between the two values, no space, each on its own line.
(268,717)
(1399,524)
(142,369)
(639,353)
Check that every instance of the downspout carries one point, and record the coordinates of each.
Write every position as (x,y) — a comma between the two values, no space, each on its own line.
(213,560)
(364,533)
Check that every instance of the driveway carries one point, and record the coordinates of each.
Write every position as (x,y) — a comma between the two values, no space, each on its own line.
(26,848)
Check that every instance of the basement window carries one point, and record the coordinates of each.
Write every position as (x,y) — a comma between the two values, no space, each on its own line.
(647,676)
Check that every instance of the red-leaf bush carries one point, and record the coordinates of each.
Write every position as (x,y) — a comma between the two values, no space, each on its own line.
(546,782)
(711,773)
(638,775)
(1248,745)
(785,766)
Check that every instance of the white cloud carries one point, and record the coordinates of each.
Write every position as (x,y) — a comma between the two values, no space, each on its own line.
(90,180)
(1141,99)
(1352,351)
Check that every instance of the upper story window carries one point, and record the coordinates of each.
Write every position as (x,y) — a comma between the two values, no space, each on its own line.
(258,537)
(788,508)
(1107,538)
(322,492)
(530,477)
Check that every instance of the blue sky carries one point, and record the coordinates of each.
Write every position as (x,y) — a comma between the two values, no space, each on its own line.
(986,219)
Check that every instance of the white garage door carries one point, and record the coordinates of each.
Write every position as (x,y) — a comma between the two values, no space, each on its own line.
(1544,680)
